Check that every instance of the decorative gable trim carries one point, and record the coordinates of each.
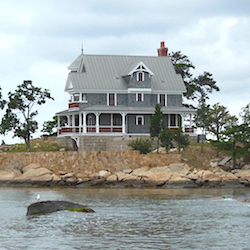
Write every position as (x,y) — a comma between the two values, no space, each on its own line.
(137,67)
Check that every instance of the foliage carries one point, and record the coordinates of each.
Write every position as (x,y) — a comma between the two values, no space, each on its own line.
(157,124)
(203,85)
(197,88)
(144,145)
(183,66)
(49,127)
(166,138)
(180,138)
(217,119)
(235,141)
(2,102)
(200,119)
(245,114)
(19,115)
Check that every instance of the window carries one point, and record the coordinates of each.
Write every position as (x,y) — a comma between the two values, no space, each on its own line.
(84,97)
(139,97)
(117,120)
(76,97)
(139,120)
(140,76)
(111,99)
(173,120)
(162,100)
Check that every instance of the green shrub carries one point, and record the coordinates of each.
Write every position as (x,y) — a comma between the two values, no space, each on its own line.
(144,145)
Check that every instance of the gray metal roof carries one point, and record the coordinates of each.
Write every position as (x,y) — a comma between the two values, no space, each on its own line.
(131,110)
(103,73)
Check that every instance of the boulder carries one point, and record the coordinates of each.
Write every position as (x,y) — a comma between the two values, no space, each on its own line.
(179,181)
(104,174)
(45,207)
(158,175)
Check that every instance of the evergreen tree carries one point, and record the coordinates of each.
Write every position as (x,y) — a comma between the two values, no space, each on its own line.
(166,138)
(157,124)
(180,138)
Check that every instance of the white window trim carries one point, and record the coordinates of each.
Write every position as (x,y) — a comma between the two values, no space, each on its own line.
(166,99)
(82,100)
(142,97)
(137,76)
(137,120)
(115,95)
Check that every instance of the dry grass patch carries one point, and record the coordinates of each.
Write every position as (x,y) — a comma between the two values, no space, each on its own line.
(193,156)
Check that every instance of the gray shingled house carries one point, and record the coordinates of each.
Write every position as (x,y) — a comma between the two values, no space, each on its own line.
(112,99)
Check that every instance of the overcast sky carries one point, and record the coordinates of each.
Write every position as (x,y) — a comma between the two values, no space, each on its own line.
(40,39)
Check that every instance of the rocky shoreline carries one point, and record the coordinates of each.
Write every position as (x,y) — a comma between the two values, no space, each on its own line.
(174,175)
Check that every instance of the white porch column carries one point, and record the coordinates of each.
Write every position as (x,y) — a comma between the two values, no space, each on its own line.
(124,123)
(68,120)
(84,123)
(73,121)
(97,122)
(58,124)
(182,122)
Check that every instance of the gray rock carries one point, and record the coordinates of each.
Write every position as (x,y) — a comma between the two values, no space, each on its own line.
(45,207)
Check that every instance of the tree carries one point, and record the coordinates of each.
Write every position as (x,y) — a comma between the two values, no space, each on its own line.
(197,88)
(203,85)
(166,138)
(217,119)
(200,120)
(2,102)
(180,138)
(183,66)
(245,114)
(49,127)
(157,124)
(19,115)
(235,141)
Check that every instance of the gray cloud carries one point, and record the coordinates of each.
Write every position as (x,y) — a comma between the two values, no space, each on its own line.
(39,39)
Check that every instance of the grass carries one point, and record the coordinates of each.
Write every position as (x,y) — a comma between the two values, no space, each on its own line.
(37,145)
(193,156)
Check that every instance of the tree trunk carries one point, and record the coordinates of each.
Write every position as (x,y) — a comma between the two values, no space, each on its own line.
(234,160)
(158,145)
(27,142)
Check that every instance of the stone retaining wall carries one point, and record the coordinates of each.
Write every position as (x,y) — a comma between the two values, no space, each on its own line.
(82,161)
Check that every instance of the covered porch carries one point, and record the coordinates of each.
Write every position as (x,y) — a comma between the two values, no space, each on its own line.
(92,123)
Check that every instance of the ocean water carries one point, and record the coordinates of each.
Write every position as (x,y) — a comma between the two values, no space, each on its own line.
(127,219)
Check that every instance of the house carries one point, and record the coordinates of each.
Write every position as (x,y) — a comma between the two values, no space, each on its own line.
(113,97)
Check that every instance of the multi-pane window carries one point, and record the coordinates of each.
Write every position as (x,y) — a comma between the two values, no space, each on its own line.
(139,97)
(162,100)
(76,97)
(173,122)
(111,100)
(140,76)
(139,120)
(84,97)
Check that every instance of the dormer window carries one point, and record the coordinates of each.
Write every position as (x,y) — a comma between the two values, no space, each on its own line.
(140,76)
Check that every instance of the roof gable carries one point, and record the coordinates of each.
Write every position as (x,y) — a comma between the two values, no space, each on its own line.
(105,73)
(135,67)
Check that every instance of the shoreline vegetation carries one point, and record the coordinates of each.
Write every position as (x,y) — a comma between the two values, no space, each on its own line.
(49,166)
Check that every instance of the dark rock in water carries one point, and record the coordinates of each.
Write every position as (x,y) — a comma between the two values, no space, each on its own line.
(45,207)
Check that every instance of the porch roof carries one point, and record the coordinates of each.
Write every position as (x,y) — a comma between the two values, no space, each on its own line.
(128,110)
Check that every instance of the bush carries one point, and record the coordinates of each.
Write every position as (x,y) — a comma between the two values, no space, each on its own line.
(144,145)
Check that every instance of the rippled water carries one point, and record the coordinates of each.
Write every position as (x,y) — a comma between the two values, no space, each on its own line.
(127,219)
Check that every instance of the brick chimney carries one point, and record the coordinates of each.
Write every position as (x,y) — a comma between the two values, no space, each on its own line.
(162,51)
